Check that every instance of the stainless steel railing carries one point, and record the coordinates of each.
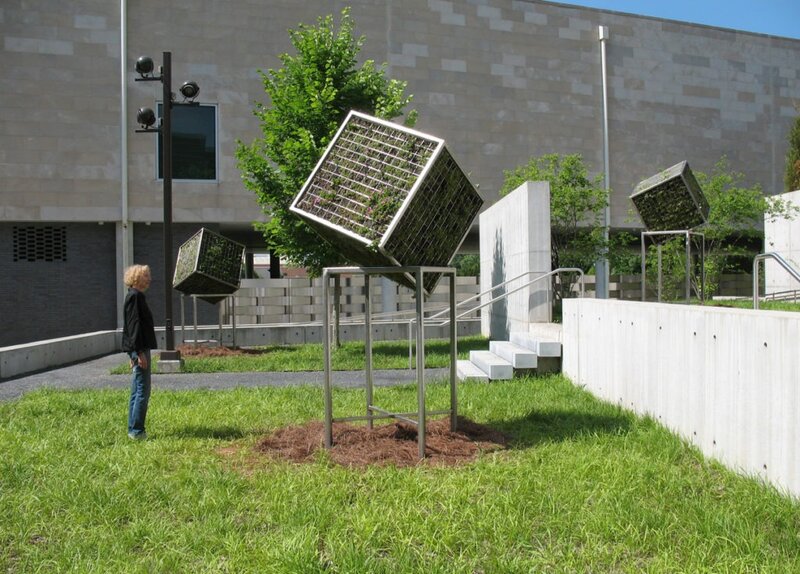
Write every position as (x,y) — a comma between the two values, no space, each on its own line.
(493,300)
(780,260)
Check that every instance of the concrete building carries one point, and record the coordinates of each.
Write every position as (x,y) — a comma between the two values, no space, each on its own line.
(500,80)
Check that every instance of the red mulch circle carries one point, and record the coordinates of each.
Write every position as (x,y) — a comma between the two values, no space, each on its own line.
(384,445)
(357,446)
(216,351)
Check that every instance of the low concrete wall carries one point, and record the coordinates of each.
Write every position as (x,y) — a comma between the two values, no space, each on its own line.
(515,239)
(41,355)
(29,357)
(728,380)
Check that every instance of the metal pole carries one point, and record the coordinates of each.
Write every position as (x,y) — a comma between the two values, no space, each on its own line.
(703,266)
(602,279)
(166,163)
(194,316)
(644,270)
(688,268)
(183,320)
(326,345)
(368,346)
(453,355)
(420,365)
(219,316)
(659,272)
(233,320)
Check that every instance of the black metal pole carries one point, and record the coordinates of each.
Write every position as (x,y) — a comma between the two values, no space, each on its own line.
(166,163)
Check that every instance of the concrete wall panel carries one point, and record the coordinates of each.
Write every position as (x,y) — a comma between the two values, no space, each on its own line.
(727,380)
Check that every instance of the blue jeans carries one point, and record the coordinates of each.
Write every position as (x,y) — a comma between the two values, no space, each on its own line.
(140,397)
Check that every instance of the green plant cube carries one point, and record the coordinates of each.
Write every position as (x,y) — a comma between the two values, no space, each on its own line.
(387,195)
(671,200)
(210,265)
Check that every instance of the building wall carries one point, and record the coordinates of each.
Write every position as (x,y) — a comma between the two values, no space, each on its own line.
(73,292)
(500,80)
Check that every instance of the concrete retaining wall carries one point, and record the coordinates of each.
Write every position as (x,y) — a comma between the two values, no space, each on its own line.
(30,357)
(728,380)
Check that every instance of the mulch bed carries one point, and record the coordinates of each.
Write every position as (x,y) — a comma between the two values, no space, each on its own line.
(384,445)
(357,446)
(216,351)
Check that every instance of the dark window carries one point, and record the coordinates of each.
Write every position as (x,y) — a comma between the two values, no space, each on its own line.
(40,243)
(194,143)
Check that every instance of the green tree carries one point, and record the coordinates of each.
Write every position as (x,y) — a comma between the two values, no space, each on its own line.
(576,207)
(792,177)
(734,224)
(310,95)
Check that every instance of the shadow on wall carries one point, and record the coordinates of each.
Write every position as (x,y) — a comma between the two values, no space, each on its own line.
(498,323)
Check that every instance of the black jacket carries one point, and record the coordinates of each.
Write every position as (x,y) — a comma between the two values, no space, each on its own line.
(138,332)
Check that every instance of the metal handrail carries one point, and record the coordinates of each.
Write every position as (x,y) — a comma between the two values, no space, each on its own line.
(781,261)
(494,299)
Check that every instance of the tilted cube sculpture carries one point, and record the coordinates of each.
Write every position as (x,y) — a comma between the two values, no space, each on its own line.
(208,264)
(671,200)
(387,195)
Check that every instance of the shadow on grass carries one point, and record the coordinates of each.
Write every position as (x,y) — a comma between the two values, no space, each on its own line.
(555,426)
(221,433)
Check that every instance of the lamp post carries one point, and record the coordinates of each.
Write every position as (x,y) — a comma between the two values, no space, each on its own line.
(146,119)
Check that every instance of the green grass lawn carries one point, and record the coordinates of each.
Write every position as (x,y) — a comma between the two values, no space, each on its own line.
(762,305)
(585,487)
(349,357)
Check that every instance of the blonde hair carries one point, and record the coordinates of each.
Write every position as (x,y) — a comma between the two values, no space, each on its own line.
(135,273)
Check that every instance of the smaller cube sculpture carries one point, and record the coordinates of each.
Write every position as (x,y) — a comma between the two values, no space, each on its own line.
(386,195)
(671,200)
(208,264)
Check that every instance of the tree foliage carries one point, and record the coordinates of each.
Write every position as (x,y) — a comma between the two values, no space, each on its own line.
(792,177)
(576,207)
(309,97)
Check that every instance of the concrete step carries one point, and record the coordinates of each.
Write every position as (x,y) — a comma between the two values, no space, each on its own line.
(535,343)
(519,357)
(492,365)
(467,370)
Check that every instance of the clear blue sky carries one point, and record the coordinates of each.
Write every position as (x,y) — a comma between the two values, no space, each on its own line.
(775,17)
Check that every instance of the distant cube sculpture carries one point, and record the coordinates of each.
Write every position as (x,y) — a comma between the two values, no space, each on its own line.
(671,200)
(386,195)
(208,264)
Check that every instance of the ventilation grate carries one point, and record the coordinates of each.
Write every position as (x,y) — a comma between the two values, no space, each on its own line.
(40,243)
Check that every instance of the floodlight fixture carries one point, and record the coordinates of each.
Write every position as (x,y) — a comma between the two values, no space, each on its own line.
(189,90)
(144,66)
(146,117)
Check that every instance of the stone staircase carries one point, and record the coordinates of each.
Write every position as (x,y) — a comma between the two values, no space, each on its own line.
(538,351)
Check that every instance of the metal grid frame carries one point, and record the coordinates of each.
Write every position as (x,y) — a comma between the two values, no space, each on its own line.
(672,199)
(688,235)
(208,265)
(373,412)
(389,195)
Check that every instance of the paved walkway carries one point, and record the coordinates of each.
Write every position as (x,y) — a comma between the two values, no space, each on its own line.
(95,374)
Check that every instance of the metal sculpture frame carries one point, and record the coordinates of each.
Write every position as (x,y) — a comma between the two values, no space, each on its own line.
(688,235)
(373,412)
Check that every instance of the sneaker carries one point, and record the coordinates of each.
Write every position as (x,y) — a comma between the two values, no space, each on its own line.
(137,436)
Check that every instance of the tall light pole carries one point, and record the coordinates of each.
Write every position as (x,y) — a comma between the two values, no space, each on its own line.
(147,118)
